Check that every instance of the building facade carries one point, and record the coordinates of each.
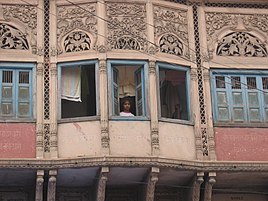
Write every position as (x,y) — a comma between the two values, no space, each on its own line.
(113,100)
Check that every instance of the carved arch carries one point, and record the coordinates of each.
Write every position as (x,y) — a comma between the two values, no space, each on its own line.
(171,44)
(12,38)
(241,44)
(128,43)
(77,41)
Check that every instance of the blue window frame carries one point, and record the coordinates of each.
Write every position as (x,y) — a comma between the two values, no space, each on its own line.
(240,96)
(78,89)
(16,91)
(127,83)
(173,85)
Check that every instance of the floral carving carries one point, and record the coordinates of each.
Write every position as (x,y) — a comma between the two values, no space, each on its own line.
(76,22)
(241,44)
(27,15)
(126,27)
(258,21)
(12,38)
(170,30)
(77,41)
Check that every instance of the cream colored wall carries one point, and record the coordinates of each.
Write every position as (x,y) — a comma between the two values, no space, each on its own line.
(130,138)
(176,141)
(238,197)
(79,139)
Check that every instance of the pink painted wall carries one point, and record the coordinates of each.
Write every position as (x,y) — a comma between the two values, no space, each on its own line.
(17,140)
(241,144)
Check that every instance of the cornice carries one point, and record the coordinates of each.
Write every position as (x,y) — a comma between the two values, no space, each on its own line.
(201,166)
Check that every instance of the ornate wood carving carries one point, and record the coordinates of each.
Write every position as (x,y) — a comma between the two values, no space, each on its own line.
(39,185)
(152,180)
(196,187)
(127,26)
(51,190)
(102,184)
(75,26)
(171,30)
(208,188)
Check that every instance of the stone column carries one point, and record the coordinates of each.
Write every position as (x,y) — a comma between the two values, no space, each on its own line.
(51,188)
(208,186)
(198,180)
(151,182)
(101,186)
(39,185)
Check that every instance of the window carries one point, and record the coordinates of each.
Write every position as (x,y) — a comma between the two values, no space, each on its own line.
(128,85)
(173,92)
(78,89)
(240,97)
(16,92)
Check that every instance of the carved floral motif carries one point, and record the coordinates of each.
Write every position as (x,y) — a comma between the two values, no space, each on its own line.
(170,30)
(126,26)
(241,44)
(76,22)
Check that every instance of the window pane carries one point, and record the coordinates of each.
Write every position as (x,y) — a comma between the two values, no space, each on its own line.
(254,114)
(7,76)
(238,114)
(251,83)
(24,109)
(115,76)
(236,83)
(253,99)
(265,98)
(7,92)
(266,113)
(222,98)
(23,92)
(237,98)
(223,113)
(220,82)
(265,82)
(7,108)
(24,77)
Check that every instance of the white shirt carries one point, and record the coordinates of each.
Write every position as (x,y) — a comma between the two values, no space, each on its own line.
(126,114)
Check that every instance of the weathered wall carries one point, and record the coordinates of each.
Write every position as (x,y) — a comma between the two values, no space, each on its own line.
(238,197)
(17,140)
(241,144)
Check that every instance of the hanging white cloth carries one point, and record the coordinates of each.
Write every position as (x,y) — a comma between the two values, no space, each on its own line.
(71,83)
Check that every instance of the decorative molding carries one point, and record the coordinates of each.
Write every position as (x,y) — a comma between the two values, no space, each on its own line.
(101,48)
(39,185)
(152,67)
(75,26)
(51,189)
(105,140)
(155,137)
(40,51)
(127,26)
(193,74)
(102,66)
(171,30)
(153,49)
(27,15)
(46,137)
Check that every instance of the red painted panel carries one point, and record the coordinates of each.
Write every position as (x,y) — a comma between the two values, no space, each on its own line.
(241,144)
(17,140)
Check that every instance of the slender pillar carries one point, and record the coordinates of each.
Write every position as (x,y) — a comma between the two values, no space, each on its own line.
(151,182)
(208,186)
(101,186)
(51,189)
(39,185)
(198,180)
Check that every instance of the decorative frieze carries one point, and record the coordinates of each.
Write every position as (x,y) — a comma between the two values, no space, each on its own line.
(76,28)
(171,30)
(126,26)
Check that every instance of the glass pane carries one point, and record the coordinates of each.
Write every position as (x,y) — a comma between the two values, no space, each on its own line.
(236,83)
(7,92)
(251,83)
(7,76)
(116,108)
(238,114)
(265,98)
(24,109)
(266,113)
(7,108)
(222,98)
(223,113)
(139,112)
(138,77)
(24,77)
(254,114)
(139,94)
(253,99)
(115,76)
(115,92)
(23,92)
(265,82)
(220,82)
(237,98)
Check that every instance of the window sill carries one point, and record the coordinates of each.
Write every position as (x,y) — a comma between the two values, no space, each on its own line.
(79,119)
(176,121)
(17,120)
(119,118)
(242,125)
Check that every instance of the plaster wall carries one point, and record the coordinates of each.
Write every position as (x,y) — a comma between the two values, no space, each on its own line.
(238,197)
(17,140)
(130,138)
(78,139)
(177,141)
(241,144)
